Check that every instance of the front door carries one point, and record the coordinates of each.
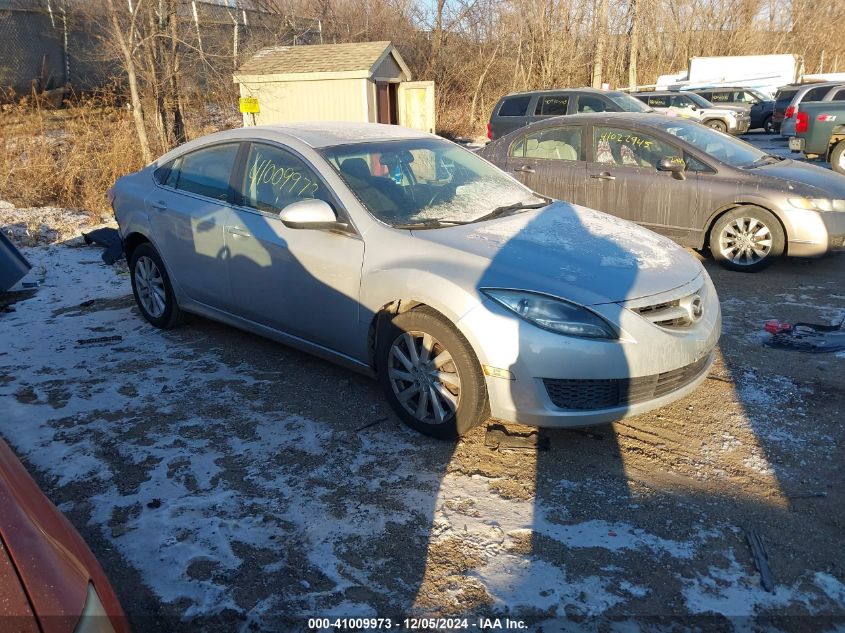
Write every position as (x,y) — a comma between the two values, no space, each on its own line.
(303,282)
(550,161)
(623,180)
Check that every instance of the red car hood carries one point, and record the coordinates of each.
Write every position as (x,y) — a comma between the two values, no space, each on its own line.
(51,561)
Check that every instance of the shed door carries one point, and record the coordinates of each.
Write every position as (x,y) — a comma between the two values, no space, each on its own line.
(386,103)
(416,105)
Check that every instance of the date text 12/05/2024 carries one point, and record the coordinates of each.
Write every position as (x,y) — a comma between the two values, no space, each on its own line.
(417,624)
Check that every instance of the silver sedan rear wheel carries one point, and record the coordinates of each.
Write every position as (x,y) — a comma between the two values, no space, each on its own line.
(424,377)
(745,241)
(150,285)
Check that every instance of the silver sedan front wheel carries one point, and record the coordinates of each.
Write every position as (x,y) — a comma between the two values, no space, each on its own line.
(745,241)
(424,377)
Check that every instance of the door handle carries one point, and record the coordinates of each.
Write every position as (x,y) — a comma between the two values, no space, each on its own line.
(238,231)
(161,205)
(605,175)
(525,169)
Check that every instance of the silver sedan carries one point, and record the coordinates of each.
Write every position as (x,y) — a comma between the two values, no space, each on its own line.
(404,256)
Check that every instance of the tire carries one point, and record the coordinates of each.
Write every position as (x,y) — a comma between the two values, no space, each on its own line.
(747,239)
(152,288)
(717,125)
(464,404)
(837,157)
(768,126)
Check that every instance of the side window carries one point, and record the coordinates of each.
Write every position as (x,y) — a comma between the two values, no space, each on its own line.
(839,95)
(560,143)
(719,97)
(616,146)
(206,171)
(552,105)
(680,101)
(514,106)
(173,173)
(816,93)
(166,174)
(693,164)
(658,101)
(274,178)
(710,96)
(591,104)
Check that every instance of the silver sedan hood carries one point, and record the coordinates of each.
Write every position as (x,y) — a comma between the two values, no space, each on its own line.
(570,252)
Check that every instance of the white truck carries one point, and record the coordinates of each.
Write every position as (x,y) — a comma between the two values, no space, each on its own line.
(763,72)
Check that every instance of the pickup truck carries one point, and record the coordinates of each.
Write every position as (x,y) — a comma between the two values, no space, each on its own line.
(820,132)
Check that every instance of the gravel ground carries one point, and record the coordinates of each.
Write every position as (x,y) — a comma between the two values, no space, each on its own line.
(228,483)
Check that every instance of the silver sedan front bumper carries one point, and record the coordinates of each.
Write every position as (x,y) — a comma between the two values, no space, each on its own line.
(544,379)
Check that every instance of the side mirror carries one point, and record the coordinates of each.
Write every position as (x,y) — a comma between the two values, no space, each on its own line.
(693,107)
(673,164)
(310,214)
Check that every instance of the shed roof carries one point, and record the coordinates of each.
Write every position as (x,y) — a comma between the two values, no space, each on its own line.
(319,58)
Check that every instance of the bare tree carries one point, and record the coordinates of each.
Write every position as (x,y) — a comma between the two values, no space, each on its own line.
(600,41)
(125,36)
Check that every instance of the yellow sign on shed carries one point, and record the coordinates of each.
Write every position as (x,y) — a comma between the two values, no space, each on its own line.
(249,105)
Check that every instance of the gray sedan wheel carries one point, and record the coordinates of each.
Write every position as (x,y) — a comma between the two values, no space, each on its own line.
(152,289)
(746,239)
(430,375)
(716,124)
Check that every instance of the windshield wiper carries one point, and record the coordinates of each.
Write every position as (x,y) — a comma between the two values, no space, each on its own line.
(429,224)
(498,212)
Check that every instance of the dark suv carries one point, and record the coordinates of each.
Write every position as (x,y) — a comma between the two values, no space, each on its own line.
(760,106)
(523,108)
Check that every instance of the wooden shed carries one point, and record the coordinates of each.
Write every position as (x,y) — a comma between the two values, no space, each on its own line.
(360,82)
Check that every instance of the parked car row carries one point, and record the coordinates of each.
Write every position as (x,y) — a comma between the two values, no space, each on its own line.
(411,259)
(724,118)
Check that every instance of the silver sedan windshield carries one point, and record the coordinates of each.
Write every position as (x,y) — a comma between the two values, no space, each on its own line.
(425,181)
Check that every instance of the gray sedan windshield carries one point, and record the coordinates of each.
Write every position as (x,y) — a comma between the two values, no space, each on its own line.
(726,148)
(425,181)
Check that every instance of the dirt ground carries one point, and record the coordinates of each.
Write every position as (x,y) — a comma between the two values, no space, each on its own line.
(227,483)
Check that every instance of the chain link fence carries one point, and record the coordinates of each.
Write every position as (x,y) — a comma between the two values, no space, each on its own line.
(47,44)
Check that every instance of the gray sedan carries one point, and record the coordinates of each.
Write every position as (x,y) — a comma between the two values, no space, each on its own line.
(406,257)
(701,188)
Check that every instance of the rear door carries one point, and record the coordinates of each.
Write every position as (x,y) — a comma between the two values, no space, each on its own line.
(595,103)
(548,105)
(551,162)
(303,282)
(511,115)
(623,180)
(188,210)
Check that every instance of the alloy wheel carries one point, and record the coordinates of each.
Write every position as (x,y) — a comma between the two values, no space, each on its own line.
(150,286)
(745,241)
(424,377)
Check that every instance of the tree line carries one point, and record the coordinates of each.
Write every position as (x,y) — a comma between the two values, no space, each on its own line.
(474,50)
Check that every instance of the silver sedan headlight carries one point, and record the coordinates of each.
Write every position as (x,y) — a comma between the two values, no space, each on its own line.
(553,314)
(817,204)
